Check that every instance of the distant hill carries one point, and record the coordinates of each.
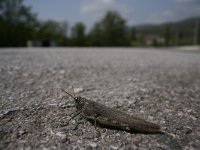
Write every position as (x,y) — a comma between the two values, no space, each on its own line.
(171,33)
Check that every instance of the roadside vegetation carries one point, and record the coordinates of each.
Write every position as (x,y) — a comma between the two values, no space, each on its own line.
(19,27)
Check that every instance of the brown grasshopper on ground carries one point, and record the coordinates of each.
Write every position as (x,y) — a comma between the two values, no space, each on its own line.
(111,117)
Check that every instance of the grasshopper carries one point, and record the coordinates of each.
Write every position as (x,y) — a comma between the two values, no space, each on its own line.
(111,117)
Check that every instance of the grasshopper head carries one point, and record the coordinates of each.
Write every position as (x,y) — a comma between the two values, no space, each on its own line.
(80,102)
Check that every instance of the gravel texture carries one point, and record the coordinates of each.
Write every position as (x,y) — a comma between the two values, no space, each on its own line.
(162,86)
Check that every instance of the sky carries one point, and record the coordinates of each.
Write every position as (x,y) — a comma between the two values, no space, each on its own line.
(136,12)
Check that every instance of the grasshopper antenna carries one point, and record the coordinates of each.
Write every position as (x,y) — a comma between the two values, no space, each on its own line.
(73,91)
(67,93)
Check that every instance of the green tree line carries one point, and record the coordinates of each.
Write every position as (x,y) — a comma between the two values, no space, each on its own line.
(18,25)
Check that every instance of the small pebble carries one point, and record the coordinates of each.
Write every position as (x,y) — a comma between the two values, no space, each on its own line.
(61,71)
(78,90)
(114,147)
(61,135)
(187,130)
(93,145)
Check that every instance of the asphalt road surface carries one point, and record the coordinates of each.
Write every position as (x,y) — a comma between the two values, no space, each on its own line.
(158,85)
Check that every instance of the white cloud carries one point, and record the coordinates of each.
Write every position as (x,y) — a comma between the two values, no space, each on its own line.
(97,8)
(179,13)
(163,16)
(93,10)
(107,1)
(167,13)
(184,1)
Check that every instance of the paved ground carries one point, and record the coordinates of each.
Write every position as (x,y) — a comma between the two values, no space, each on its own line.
(162,86)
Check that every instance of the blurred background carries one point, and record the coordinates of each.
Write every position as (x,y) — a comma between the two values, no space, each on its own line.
(99,23)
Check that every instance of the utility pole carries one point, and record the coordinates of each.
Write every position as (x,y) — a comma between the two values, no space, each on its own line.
(196,31)
(177,37)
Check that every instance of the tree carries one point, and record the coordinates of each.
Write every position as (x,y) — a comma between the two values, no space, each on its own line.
(16,23)
(78,37)
(111,31)
(52,30)
(132,36)
(96,36)
(133,33)
(167,35)
(14,12)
